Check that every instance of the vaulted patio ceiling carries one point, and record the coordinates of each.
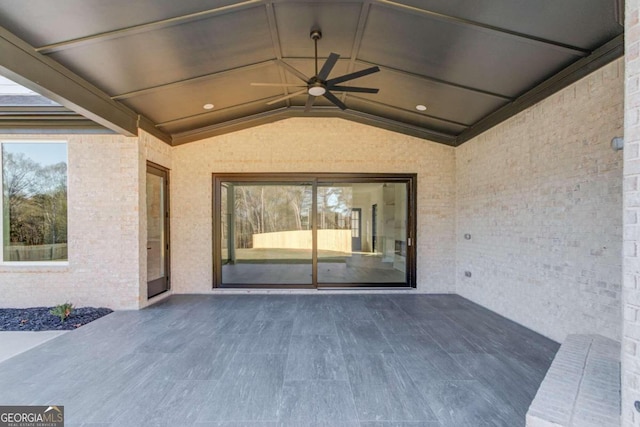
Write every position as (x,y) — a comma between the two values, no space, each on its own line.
(154,63)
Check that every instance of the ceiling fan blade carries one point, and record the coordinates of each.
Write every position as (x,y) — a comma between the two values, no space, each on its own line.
(328,66)
(293,71)
(277,84)
(352,76)
(353,89)
(310,100)
(291,95)
(331,97)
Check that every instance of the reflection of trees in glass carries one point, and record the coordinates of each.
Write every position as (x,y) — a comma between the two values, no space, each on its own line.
(270,208)
(35,200)
(261,209)
(334,208)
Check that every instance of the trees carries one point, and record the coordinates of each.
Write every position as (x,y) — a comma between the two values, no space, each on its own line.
(269,208)
(259,209)
(35,201)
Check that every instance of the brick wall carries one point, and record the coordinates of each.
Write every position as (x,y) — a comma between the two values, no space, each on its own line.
(311,145)
(107,227)
(541,196)
(103,217)
(631,270)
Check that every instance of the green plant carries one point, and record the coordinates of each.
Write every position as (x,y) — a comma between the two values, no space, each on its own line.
(62,311)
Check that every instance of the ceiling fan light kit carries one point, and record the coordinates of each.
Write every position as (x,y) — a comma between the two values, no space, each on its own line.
(320,84)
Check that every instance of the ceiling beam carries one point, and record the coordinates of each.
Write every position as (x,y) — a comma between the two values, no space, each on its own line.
(150,127)
(285,113)
(608,52)
(22,64)
(574,50)
(142,28)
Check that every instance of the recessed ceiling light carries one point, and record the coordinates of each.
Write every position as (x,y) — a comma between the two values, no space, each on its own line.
(421,107)
(208,106)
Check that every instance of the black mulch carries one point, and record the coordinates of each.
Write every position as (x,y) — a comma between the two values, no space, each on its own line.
(39,318)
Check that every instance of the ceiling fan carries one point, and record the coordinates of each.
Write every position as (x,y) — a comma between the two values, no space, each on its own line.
(318,85)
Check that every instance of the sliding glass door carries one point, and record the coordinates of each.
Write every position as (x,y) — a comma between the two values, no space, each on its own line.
(346,254)
(320,230)
(265,233)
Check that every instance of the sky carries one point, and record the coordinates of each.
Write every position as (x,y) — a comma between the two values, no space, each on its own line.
(43,153)
(8,87)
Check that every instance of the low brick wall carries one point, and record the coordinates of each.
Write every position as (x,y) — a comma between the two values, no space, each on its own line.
(582,386)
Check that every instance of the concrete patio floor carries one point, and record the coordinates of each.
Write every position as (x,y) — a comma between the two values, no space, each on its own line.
(288,360)
(16,342)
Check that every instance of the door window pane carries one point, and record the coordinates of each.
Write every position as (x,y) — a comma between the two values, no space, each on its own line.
(357,242)
(155,227)
(34,184)
(266,233)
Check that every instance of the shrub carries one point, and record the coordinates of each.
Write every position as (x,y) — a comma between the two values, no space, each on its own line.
(62,311)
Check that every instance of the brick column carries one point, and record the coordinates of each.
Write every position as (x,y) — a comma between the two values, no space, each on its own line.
(631,263)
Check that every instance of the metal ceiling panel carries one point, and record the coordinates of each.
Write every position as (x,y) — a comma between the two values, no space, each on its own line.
(403,116)
(462,54)
(175,53)
(444,101)
(568,22)
(218,117)
(338,21)
(224,91)
(307,67)
(463,59)
(44,22)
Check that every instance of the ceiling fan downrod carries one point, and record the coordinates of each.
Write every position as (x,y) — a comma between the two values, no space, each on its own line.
(315,36)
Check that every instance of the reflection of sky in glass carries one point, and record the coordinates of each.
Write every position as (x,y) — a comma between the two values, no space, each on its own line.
(45,154)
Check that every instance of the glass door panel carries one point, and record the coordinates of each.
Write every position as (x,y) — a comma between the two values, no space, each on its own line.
(266,233)
(359,243)
(157,226)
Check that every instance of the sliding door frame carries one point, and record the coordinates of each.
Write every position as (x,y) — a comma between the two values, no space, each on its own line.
(314,179)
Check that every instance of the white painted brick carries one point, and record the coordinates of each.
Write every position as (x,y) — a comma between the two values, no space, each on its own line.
(102,231)
(312,145)
(541,195)
(582,385)
(631,267)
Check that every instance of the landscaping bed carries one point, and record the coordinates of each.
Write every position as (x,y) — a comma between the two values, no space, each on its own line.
(40,318)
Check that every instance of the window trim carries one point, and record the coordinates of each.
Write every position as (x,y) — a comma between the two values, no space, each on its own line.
(31,264)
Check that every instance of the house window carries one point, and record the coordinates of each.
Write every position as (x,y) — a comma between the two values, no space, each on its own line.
(34,201)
